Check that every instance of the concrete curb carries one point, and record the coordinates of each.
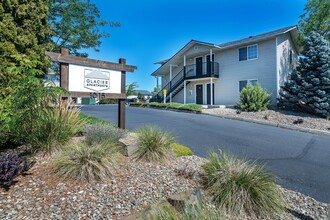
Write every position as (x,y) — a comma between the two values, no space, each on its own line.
(308,130)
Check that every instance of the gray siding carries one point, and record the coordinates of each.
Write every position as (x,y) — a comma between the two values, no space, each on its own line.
(285,68)
(271,69)
(232,71)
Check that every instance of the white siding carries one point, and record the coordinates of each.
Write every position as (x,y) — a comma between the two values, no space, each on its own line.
(191,91)
(232,71)
(284,46)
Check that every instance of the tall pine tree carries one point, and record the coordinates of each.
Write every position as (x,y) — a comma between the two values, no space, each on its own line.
(308,88)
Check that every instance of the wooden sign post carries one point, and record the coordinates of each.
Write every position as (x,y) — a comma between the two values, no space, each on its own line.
(84,77)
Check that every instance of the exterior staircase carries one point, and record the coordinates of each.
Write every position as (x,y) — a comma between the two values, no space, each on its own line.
(187,73)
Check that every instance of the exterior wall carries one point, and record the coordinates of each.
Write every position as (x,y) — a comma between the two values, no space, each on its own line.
(285,68)
(232,71)
(271,69)
(191,91)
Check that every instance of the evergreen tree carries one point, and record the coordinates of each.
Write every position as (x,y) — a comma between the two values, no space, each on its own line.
(308,88)
(24,37)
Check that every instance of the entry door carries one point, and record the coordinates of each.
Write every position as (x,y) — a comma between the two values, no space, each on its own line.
(209,93)
(209,65)
(199,94)
(199,66)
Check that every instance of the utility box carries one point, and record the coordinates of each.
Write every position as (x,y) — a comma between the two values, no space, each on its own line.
(88,101)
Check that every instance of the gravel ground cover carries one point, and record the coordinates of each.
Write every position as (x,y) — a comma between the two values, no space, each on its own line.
(276,116)
(41,195)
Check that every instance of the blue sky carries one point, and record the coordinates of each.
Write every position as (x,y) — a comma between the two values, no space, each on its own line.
(154,30)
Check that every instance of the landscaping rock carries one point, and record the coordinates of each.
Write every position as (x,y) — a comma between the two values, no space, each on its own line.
(42,195)
(187,198)
(275,116)
(128,142)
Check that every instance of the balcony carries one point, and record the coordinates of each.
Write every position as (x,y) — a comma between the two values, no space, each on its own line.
(195,71)
(201,70)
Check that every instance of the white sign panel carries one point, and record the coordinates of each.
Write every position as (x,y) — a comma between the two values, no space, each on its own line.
(87,79)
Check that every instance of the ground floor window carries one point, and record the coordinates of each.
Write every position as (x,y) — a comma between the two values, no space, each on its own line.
(243,83)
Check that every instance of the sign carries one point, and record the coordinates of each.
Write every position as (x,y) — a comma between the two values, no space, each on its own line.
(93,80)
(165,91)
(97,80)
(84,77)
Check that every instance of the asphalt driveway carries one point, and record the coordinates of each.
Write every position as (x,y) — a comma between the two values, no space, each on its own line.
(301,161)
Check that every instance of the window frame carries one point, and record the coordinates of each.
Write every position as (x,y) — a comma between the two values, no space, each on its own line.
(247,52)
(248,82)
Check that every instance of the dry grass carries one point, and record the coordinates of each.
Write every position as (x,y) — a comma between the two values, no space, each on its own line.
(81,161)
(54,126)
(154,144)
(241,187)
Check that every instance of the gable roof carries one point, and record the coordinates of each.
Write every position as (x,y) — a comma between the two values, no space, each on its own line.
(166,62)
(258,37)
(252,39)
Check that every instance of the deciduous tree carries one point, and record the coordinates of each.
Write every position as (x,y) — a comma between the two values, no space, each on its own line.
(316,18)
(76,25)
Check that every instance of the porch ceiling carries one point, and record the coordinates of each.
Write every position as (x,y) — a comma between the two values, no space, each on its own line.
(177,59)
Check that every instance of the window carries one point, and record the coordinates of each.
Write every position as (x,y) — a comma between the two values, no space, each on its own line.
(248,53)
(290,57)
(243,83)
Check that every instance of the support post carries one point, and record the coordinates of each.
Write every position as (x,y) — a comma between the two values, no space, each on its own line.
(170,72)
(211,92)
(121,102)
(157,89)
(184,92)
(211,64)
(170,83)
(121,113)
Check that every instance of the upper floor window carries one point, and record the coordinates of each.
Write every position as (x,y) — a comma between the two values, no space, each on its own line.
(248,53)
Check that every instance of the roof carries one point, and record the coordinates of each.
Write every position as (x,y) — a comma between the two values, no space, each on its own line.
(142,92)
(181,51)
(251,39)
(257,37)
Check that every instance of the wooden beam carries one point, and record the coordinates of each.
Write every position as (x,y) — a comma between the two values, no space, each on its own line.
(68,59)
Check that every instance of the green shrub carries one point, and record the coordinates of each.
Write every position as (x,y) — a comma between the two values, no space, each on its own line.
(108,101)
(181,150)
(154,144)
(48,128)
(98,133)
(239,187)
(254,98)
(191,107)
(140,104)
(82,161)
(172,105)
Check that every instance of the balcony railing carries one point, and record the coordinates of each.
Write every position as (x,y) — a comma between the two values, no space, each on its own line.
(206,69)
